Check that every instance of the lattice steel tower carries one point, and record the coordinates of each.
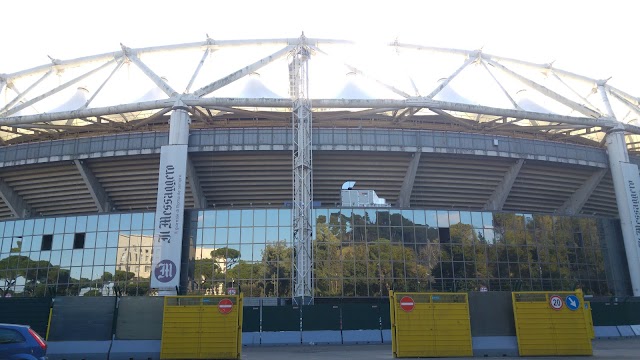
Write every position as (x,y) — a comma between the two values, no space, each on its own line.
(302,174)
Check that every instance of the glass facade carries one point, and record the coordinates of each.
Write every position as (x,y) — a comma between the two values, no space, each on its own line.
(367,252)
(83,255)
(358,253)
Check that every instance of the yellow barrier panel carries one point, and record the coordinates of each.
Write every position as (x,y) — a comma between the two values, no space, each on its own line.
(202,327)
(551,323)
(589,319)
(430,325)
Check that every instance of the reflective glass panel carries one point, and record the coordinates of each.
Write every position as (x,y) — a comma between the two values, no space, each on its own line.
(222,218)
(148,221)
(234,217)
(209,218)
(70,225)
(81,224)
(136,221)
(103,222)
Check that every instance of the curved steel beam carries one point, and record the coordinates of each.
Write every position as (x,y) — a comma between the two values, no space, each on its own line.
(285,105)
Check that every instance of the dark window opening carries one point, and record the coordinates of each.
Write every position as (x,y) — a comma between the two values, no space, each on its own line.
(47,242)
(444,235)
(78,241)
(577,238)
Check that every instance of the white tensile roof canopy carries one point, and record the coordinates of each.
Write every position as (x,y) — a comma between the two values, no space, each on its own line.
(236,83)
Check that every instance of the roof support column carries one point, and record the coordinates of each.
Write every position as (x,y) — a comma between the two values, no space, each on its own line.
(626,184)
(574,204)
(168,277)
(500,194)
(404,198)
(14,201)
(99,195)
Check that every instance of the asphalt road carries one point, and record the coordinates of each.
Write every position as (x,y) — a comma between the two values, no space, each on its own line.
(628,348)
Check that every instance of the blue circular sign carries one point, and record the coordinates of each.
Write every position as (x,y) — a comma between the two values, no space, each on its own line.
(572,302)
(165,271)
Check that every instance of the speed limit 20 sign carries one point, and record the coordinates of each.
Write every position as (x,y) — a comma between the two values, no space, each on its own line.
(556,302)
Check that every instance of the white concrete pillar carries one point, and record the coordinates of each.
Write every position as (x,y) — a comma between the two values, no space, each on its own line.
(179,125)
(172,178)
(626,184)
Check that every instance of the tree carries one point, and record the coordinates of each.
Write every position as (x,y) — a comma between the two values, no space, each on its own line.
(13,267)
(276,259)
(123,276)
(138,288)
(206,271)
(252,275)
(106,277)
(94,292)
(229,256)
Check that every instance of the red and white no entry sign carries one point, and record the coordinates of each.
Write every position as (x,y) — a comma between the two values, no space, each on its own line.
(407,304)
(225,306)
(556,302)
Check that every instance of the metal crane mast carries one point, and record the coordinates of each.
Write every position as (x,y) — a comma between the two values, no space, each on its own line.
(302,174)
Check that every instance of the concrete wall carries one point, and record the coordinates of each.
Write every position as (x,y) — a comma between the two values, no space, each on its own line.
(491,314)
(139,318)
(323,139)
(82,318)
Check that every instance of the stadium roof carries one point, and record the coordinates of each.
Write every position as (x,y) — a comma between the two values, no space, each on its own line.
(393,85)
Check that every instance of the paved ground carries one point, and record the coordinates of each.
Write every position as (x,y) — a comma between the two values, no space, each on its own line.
(603,349)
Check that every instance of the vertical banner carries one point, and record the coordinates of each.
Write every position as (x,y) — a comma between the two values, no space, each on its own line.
(632,189)
(167,240)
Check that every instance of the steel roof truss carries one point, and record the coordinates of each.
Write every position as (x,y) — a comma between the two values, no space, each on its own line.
(24,93)
(546,92)
(623,100)
(200,111)
(254,114)
(406,114)
(242,72)
(453,119)
(446,82)
(504,91)
(575,92)
(505,121)
(322,103)
(197,71)
(54,127)
(57,89)
(166,88)
(321,115)
(199,114)
(151,118)
(118,66)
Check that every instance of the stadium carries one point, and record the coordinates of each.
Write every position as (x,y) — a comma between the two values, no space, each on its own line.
(199,167)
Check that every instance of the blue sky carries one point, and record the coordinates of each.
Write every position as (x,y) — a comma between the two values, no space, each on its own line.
(592,38)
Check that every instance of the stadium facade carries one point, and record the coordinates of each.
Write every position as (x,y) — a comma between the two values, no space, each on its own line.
(117,177)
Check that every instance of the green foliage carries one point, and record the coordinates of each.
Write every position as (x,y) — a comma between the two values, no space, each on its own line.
(123,276)
(276,260)
(138,289)
(368,253)
(106,277)
(229,255)
(93,293)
